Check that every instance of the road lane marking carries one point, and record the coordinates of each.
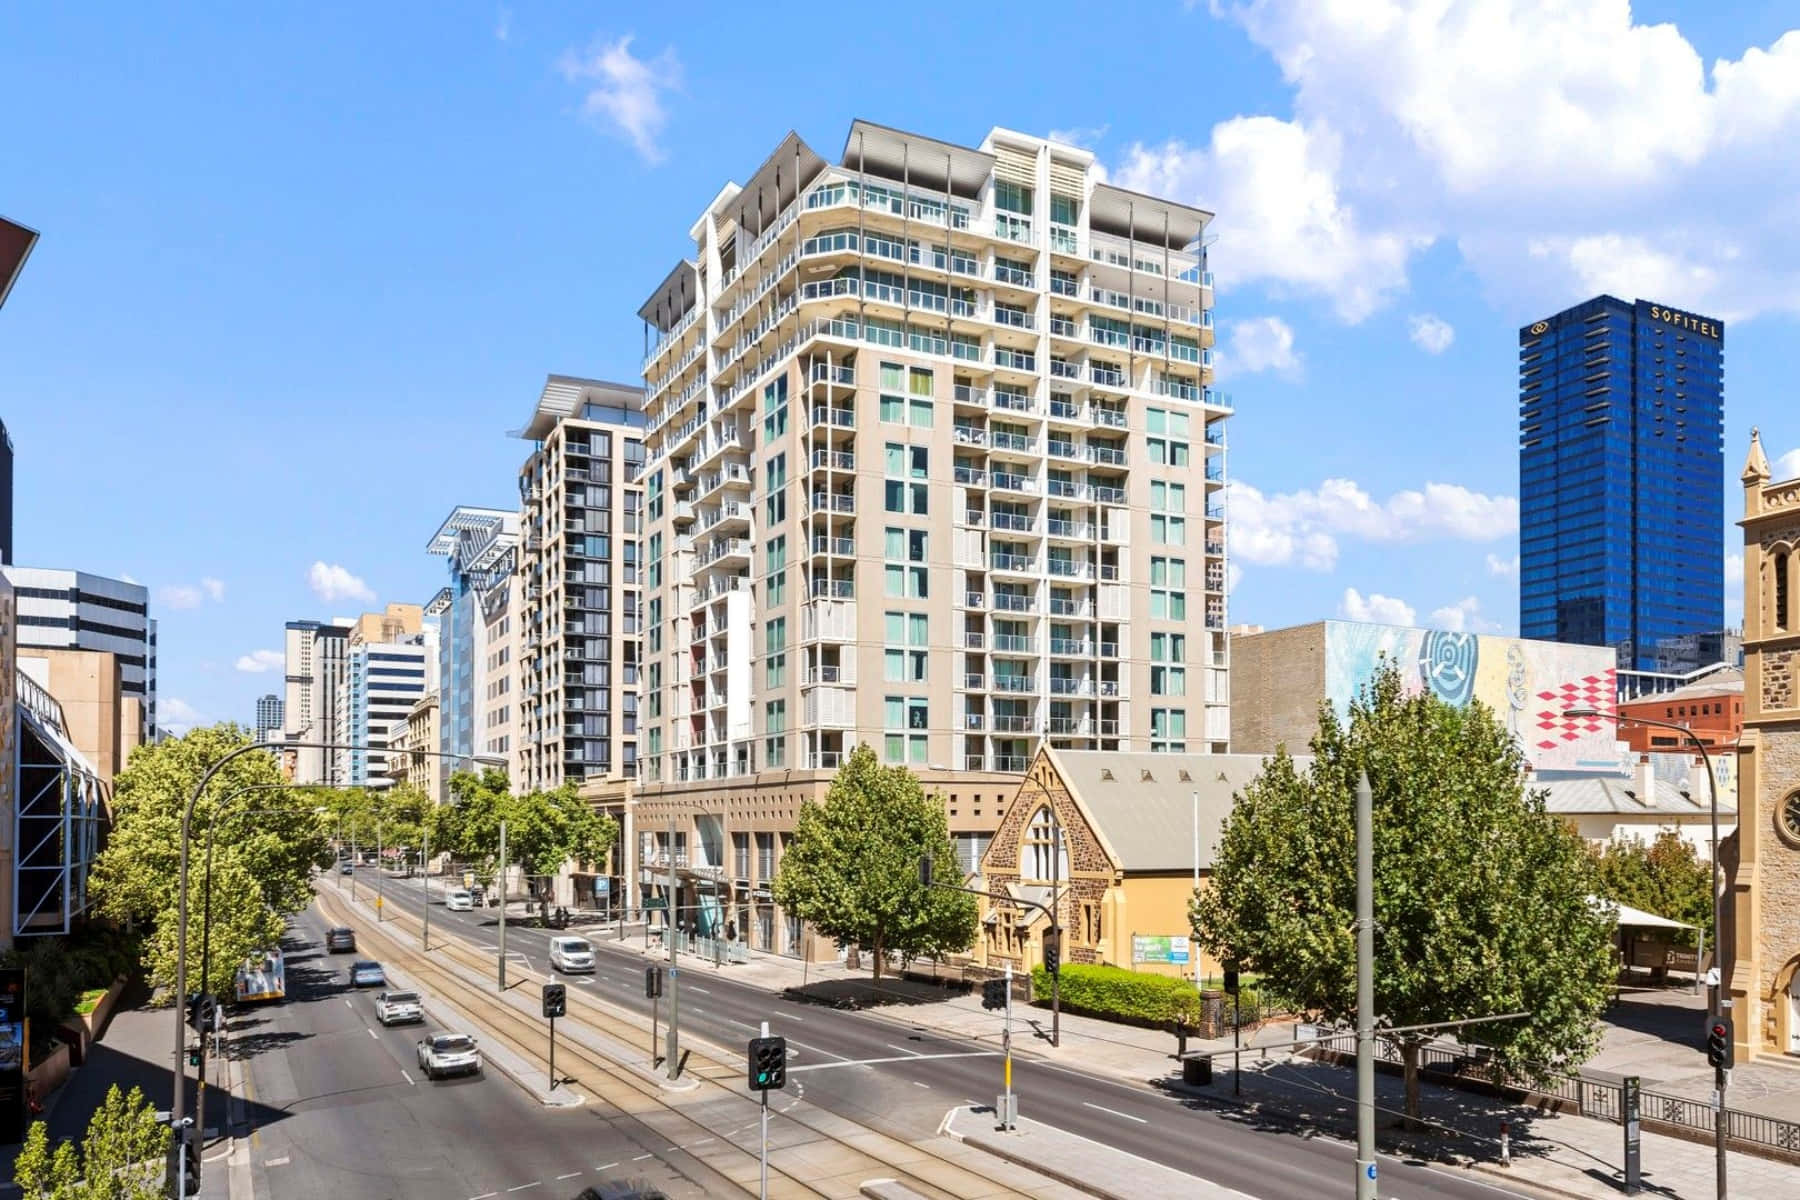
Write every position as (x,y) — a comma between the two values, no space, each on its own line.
(821,1050)
(642,1157)
(349,1005)
(907,1058)
(484,1196)
(570,1175)
(701,1142)
(606,1166)
(1113,1112)
(523,1186)
(901,1049)
(694,987)
(408,1078)
(277,1162)
(916,1083)
(372,1033)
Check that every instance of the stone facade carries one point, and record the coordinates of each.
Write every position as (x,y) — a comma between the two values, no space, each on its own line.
(1761,934)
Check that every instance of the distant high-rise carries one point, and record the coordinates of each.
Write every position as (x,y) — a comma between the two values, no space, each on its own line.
(62,609)
(315,675)
(475,677)
(268,713)
(1621,477)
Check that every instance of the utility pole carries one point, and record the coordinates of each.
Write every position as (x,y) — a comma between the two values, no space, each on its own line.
(425,877)
(1009,1114)
(380,875)
(1365,990)
(763,1191)
(355,862)
(1055,929)
(674,1047)
(503,906)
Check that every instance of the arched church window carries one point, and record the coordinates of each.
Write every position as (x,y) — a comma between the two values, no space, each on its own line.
(1780,566)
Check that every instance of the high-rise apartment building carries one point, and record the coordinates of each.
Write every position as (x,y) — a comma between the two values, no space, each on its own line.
(390,663)
(315,676)
(934,465)
(1621,477)
(76,610)
(479,544)
(6,496)
(577,641)
(268,714)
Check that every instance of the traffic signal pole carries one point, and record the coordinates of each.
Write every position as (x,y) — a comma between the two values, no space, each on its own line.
(1008,1119)
(763,1191)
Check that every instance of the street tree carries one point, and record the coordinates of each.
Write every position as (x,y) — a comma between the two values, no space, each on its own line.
(544,829)
(244,924)
(852,870)
(121,1158)
(1666,876)
(271,834)
(1483,901)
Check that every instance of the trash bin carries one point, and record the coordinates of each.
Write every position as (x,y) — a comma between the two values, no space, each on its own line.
(1197,1071)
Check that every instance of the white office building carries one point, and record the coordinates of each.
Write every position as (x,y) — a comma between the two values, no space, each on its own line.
(73,610)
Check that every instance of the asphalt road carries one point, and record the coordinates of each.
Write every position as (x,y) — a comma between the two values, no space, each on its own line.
(346,1111)
(902,1081)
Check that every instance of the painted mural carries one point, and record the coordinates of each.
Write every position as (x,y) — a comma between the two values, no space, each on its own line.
(1528,684)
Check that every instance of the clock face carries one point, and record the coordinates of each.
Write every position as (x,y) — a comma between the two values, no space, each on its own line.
(1790,818)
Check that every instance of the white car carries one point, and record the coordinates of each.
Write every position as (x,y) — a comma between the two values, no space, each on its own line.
(459,900)
(571,954)
(394,1008)
(448,1054)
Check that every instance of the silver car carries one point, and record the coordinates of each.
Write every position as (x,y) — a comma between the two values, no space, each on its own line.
(396,1008)
(448,1054)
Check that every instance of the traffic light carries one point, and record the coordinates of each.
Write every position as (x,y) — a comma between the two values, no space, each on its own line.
(1052,951)
(1718,1040)
(202,1013)
(184,1158)
(653,982)
(1231,980)
(556,999)
(925,871)
(993,993)
(768,1064)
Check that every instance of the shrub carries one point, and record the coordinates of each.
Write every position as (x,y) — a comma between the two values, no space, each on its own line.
(1120,995)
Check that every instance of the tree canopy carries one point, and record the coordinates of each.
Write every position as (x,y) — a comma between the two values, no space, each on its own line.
(266,838)
(852,870)
(544,829)
(1666,877)
(121,1158)
(1482,899)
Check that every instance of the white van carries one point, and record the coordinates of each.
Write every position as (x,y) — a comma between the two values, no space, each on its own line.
(459,900)
(571,954)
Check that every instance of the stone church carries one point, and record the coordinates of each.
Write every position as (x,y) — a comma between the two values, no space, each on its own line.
(1763,901)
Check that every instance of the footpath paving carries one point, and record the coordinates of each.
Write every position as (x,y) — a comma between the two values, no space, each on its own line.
(1562,1155)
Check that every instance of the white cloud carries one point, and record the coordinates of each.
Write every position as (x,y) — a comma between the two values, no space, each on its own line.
(1301,528)
(258,661)
(128,578)
(1383,610)
(627,91)
(174,713)
(503,24)
(1464,616)
(331,582)
(179,595)
(1734,589)
(1233,574)
(1260,344)
(1786,467)
(1431,334)
(1086,136)
(1503,568)
(214,589)
(1603,153)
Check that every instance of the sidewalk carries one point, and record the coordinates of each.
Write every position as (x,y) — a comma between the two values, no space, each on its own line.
(1098,1170)
(135,1052)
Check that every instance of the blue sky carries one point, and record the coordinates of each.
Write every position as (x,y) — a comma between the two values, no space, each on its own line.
(301,273)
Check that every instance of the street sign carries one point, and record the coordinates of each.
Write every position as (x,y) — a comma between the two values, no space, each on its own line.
(1629,1102)
(1157,948)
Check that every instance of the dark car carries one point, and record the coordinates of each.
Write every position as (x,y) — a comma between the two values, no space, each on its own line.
(340,941)
(367,974)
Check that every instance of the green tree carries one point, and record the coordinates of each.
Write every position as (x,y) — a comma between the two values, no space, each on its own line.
(852,870)
(121,1158)
(1482,900)
(1666,877)
(267,837)
(544,829)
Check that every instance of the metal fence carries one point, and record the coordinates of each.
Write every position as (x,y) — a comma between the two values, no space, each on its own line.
(1596,1098)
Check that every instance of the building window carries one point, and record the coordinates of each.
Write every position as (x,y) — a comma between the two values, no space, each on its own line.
(775,726)
(1168,579)
(1042,839)
(906,659)
(893,401)
(775,671)
(1168,731)
(775,396)
(907,722)
(1780,564)
(776,474)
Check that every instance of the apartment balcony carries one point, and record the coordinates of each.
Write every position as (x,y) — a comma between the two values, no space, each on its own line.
(824,760)
(721,551)
(1008,482)
(829,673)
(974,681)
(974,600)
(974,397)
(1015,276)
(975,762)
(833,589)
(1064,328)
(841,547)
(1109,649)
(1011,764)
(730,513)
(1061,448)
(969,435)
(1073,531)
(1014,401)
(833,460)
(834,502)
(1071,647)
(682,513)
(716,586)
(1013,318)
(1064,409)
(1062,607)
(970,476)
(1064,568)
(1011,562)
(1063,369)
(1014,522)
(1106,494)
(1067,489)
(1014,601)
(1010,723)
(1107,376)
(1015,683)
(1012,643)
(974,641)
(1014,360)
(732,475)
(825,415)
(1022,443)
(1105,456)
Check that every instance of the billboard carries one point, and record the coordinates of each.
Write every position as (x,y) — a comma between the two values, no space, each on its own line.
(1528,684)
(1159,948)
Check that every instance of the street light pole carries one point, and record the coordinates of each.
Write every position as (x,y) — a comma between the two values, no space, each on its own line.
(1721,1075)
(502,973)
(380,875)
(425,881)
(674,1040)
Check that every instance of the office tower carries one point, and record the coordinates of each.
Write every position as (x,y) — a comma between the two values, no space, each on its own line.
(479,543)
(935,466)
(577,649)
(1621,477)
(75,610)
(314,680)
(268,715)
(389,664)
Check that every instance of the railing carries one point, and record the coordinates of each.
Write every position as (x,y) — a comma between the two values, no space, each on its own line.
(1009,723)
(1012,602)
(1012,763)
(1005,520)
(1013,643)
(1069,569)
(1062,286)
(844,417)
(1017,276)
(1060,686)
(834,545)
(1070,646)
(829,673)
(837,460)
(1063,327)
(1011,562)
(1015,683)
(973,641)
(969,435)
(1106,455)
(1070,529)
(974,600)
(973,476)
(1063,449)
(1068,410)
(836,589)
(825,760)
(828,373)
(974,680)
(1060,607)
(1107,376)
(974,762)
(1014,483)
(1012,441)
(1014,360)
(974,721)
(1063,369)
(1014,317)
(1015,401)
(838,502)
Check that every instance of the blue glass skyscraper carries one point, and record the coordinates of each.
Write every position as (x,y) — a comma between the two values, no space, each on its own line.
(1621,477)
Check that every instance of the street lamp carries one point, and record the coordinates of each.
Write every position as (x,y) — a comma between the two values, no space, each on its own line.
(673,1046)
(1720,1075)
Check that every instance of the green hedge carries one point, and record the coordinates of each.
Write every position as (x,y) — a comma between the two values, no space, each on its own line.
(1120,995)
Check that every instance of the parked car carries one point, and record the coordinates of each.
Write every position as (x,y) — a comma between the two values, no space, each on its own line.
(448,1054)
(397,1008)
(459,900)
(571,954)
(367,974)
(340,941)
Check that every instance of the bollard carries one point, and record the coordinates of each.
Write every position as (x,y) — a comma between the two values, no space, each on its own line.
(1181,1037)
(1505,1143)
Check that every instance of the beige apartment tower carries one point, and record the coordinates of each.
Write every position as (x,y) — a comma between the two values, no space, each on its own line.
(934,464)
